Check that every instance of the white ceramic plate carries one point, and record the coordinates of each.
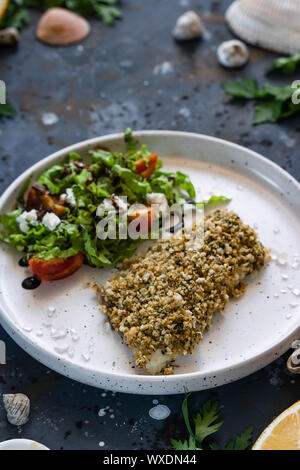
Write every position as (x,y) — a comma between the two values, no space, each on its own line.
(21,444)
(253,330)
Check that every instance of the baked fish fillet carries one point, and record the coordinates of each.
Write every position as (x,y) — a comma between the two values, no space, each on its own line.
(161,302)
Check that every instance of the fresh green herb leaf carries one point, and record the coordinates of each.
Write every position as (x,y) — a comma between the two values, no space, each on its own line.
(16,15)
(280,93)
(285,64)
(179,445)
(7,110)
(206,423)
(245,88)
(274,101)
(242,442)
(214,446)
(95,257)
(212,201)
(269,111)
(104,157)
(185,412)
(53,179)
(130,141)
(106,13)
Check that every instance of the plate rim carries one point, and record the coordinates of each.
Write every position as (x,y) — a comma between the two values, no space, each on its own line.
(50,359)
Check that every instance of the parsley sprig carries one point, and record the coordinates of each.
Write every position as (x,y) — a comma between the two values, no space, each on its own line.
(273,103)
(285,64)
(204,424)
(7,110)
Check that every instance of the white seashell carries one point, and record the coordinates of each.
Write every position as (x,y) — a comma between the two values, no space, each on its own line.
(293,363)
(233,53)
(270,24)
(188,26)
(17,407)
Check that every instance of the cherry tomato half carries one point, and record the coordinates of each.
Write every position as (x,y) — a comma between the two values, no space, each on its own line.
(146,170)
(146,214)
(56,268)
(43,202)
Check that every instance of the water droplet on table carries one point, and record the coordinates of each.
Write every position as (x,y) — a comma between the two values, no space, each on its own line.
(49,119)
(159,412)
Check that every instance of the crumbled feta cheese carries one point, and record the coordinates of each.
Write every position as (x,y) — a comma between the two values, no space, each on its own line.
(121,202)
(106,206)
(69,197)
(25,218)
(160,200)
(50,220)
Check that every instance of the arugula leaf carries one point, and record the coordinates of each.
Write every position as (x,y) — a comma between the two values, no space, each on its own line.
(107,158)
(182,181)
(7,110)
(53,179)
(212,201)
(96,258)
(136,184)
(285,64)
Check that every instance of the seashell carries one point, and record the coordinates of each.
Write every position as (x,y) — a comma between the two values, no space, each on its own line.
(61,27)
(270,24)
(293,362)
(17,407)
(233,53)
(188,27)
(9,37)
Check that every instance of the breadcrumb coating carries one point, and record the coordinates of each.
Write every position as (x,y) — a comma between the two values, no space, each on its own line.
(162,302)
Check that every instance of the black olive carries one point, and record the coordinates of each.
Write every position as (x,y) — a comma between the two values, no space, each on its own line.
(31,282)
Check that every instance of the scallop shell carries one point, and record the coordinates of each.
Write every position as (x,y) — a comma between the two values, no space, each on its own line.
(61,27)
(188,27)
(270,24)
(233,53)
(17,407)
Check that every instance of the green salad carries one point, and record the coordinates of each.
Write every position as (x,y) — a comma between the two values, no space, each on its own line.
(56,216)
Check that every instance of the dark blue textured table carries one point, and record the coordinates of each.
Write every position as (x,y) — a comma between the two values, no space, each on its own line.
(103,85)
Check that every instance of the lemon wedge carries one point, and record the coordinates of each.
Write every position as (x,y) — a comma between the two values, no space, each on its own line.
(3,7)
(283,433)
